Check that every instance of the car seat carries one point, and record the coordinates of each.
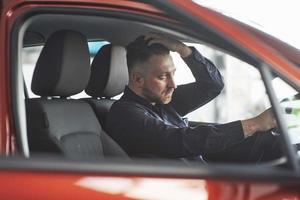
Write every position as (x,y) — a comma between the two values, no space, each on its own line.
(109,76)
(55,122)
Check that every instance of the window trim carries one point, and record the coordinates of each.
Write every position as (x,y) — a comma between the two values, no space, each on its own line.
(292,160)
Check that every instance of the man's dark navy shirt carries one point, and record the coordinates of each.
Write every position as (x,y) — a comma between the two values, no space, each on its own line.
(146,130)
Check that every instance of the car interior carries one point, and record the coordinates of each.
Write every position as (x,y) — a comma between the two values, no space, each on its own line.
(55,122)
(59,124)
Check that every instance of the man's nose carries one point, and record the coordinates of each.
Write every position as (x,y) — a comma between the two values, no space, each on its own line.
(172,83)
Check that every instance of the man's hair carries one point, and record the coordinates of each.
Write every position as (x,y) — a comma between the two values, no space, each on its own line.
(140,51)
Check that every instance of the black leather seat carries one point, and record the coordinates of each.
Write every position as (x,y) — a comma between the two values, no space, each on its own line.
(109,76)
(56,123)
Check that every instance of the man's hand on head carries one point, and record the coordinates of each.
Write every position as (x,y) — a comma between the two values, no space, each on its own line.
(169,43)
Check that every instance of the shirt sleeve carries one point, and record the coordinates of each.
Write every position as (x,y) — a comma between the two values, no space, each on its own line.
(142,134)
(208,84)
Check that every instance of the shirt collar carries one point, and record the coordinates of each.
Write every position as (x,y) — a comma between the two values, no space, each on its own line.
(130,95)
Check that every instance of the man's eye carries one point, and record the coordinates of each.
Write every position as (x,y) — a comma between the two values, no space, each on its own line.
(162,77)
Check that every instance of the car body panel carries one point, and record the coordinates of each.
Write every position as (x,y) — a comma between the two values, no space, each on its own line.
(262,45)
(67,184)
(6,126)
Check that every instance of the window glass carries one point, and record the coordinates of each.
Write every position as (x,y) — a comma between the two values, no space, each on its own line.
(289,100)
(29,59)
(95,46)
(243,96)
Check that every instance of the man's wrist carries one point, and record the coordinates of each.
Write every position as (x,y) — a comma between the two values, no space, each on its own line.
(184,51)
(249,127)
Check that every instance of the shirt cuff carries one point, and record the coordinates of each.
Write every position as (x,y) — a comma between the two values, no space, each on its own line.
(195,55)
(234,131)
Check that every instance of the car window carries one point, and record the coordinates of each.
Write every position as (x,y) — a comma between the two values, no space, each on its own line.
(289,101)
(243,96)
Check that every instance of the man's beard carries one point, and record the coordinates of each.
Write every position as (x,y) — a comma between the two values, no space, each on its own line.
(152,98)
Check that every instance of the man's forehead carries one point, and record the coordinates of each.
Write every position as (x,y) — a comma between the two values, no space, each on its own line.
(161,63)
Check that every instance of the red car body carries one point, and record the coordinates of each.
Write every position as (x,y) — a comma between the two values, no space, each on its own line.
(22,178)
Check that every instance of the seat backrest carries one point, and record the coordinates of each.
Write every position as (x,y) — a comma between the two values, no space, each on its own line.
(56,123)
(109,76)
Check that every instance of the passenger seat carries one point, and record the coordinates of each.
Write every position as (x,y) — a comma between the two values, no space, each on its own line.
(109,76)
(56,123)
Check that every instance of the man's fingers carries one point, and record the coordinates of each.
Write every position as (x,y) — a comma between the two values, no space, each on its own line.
(270,119)
(152,36)
(155,41)
(169,43)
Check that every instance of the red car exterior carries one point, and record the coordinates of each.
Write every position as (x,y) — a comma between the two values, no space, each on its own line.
(31,179)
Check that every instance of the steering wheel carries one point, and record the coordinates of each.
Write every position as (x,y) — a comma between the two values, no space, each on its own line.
(266,145)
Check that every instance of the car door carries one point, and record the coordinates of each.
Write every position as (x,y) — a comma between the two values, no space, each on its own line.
(25,176)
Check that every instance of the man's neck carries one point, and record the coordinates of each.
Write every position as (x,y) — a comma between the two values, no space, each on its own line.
(139,93)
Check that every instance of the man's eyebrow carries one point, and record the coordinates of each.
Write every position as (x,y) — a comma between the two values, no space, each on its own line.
(167,72)
(172,70)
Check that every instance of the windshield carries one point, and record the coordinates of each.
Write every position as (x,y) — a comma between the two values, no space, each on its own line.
(277,18)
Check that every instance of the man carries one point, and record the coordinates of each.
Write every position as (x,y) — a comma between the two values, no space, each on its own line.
(147,120)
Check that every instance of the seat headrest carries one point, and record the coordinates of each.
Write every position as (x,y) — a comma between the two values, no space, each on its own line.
(109,73)
(63,67)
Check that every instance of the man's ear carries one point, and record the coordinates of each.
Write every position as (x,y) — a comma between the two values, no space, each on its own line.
(138,78)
